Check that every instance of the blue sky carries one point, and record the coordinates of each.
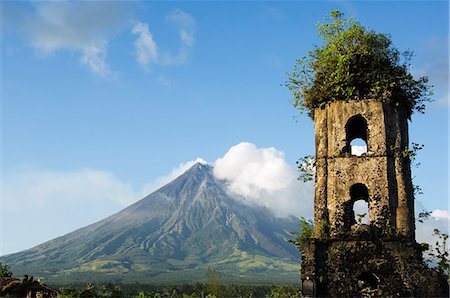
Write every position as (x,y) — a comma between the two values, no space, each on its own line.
(103,101)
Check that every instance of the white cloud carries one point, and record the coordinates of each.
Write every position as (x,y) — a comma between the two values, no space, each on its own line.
(44,188)
(358,150)
(186,25)
(439,219)
(57,202)
(145,47)
(82,27)
(425,232)
(263,177)
(441,214)
(95,57)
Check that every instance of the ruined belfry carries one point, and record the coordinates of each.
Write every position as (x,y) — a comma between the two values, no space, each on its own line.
(379,258)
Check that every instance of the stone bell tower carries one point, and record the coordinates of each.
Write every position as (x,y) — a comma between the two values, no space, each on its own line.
(347,257)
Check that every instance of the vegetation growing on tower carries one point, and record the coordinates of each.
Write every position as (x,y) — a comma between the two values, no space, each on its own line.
(355,63)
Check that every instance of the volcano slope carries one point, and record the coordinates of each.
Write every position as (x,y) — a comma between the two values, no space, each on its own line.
(173,235)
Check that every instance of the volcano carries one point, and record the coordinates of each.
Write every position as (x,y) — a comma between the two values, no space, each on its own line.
(175,234)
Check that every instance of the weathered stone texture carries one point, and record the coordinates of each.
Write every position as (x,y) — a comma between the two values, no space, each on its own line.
(382,169)
(380,259)
(369,268)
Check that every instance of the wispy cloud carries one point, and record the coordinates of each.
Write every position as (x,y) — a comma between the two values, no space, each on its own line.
(83,27)
(186,30)
(146,48)
(56,202)
(94,57)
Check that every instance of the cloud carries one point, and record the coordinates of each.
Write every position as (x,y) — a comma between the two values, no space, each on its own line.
(146,48)
(439,219)
(262,177)
(57,202)
(43,189)
(95,58)
(358,150)
(186,25)
(441,214)
(83,27)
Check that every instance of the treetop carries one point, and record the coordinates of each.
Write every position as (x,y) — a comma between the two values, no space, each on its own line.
(355,63)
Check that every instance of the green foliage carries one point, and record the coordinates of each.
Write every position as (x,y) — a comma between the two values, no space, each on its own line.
(440,252)
(104,291)
(359,217)
(196,290)
(306,231)
(5,270)
(424,215)
(306,166)
(411,154)
(355,63)
(284,292)
(213,283)
(324,228)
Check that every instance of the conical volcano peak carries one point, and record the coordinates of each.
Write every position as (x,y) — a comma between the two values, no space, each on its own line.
(190,182)
(200,169)
(173,233)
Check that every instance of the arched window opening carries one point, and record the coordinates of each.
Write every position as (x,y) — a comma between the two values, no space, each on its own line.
(359,191)
(358,147)
(356,135)
(356,210)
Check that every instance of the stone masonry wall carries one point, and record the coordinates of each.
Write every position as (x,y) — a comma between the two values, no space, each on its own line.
(382,169)
(374,268)
(350,259)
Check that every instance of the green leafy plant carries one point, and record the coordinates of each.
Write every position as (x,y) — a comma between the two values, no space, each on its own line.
(5,270)
(306,231)
(423,215)
(360,217)
(411,154)
(324,228)
(440,252)
(355,63)
(306,166)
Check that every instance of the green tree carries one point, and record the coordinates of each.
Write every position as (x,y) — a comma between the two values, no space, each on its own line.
(5,270)
(355,63)
(213,283)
